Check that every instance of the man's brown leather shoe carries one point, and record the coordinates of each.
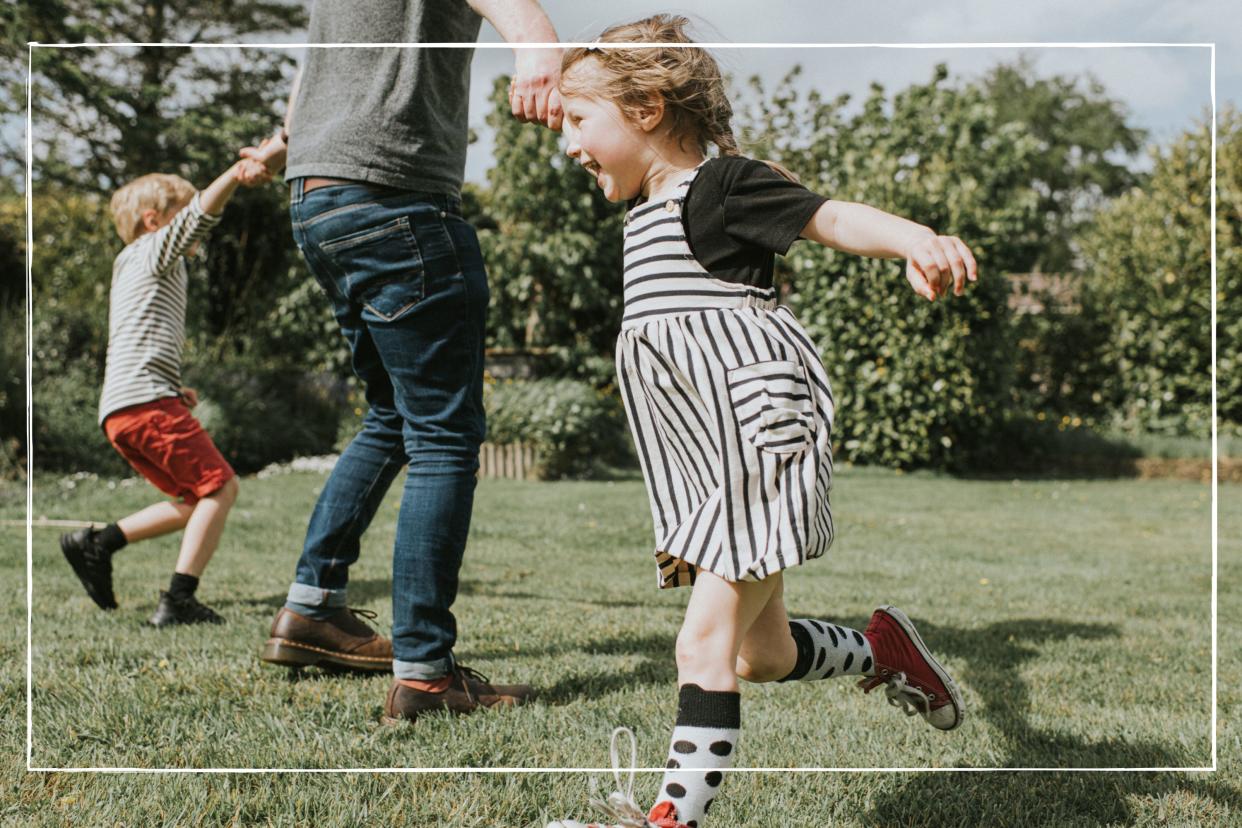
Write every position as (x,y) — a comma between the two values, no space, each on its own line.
(468,692)
(340,640)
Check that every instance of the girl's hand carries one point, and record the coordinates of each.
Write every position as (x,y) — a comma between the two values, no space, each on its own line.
(190,397)
(934,263)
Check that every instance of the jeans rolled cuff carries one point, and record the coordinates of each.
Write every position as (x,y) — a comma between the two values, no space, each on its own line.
(423,670)
(313,596)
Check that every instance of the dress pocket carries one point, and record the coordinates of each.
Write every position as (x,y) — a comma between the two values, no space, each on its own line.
(772,405)
(383,269)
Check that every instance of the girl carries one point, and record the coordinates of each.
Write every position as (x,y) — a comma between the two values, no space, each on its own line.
(727,399)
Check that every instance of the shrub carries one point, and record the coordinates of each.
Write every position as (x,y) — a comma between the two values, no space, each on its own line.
(578,430)
(256,415)
(1147,266)
(12,391)
(263,414)
(67,436)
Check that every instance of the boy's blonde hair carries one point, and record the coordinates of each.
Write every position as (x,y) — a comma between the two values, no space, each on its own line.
(687,78)
(155,191)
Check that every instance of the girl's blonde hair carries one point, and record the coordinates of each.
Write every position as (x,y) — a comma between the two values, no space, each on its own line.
(687,79)
(155,191)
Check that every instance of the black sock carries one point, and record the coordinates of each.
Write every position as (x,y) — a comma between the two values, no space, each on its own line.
(182,586)
(111,538)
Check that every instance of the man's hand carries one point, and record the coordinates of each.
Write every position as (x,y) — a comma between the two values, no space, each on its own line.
(268,156)
(250,173)
(532,93)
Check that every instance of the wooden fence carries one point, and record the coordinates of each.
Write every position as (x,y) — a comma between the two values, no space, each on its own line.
(514,461)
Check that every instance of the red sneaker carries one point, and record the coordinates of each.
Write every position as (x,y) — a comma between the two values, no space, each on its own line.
(620,805)
(663,815)
(915,681)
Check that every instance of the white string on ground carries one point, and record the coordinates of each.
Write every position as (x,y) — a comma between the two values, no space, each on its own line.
(47,523)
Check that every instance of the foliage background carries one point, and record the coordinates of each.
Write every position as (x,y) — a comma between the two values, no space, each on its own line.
(1038,174)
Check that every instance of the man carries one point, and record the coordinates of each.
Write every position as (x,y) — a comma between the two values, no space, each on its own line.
(376,144)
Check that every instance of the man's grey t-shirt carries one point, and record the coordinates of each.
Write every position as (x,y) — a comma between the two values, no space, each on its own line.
(396,117)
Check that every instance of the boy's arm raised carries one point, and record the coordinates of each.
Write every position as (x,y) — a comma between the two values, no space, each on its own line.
(192,222)
(220,191)
(933,262)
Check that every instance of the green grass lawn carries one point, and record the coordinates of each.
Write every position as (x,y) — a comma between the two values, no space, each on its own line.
(1075,616)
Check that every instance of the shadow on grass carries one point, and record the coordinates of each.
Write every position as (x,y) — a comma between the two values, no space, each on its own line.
(994,656)
(1024,800)
(655,666)
(494,588)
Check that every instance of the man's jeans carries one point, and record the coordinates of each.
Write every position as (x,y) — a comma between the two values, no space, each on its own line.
(407,284)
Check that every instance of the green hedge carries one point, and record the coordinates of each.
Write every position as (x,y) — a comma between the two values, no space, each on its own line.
(917,383)
(12,392)
(579,431)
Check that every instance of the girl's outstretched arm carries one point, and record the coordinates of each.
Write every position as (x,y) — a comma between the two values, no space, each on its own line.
(933,262)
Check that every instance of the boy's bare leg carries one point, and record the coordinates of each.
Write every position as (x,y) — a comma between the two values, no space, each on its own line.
(203,529)
(155,520)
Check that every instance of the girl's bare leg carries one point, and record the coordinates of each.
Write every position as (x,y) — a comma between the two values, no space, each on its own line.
(768,651)
(717,619)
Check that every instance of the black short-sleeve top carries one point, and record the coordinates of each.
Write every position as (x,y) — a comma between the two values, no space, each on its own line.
(739,213)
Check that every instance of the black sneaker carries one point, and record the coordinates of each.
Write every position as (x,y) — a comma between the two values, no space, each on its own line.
(92,564)
(183,611)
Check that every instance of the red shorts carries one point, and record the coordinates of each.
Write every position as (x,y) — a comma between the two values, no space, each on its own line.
(167,446)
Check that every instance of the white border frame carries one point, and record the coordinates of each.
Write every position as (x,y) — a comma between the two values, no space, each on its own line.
(30,466)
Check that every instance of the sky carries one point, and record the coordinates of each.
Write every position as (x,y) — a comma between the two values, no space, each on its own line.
(1164,88)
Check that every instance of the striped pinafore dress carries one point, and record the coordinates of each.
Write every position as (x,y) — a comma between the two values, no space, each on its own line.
(730,409)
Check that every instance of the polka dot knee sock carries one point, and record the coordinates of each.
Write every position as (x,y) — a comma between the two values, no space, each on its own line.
(826,650)
(704,742)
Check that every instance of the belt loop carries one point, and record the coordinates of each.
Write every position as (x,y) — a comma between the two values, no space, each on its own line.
(295,190)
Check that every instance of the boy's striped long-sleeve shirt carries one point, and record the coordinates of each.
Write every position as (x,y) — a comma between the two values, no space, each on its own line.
(146,312)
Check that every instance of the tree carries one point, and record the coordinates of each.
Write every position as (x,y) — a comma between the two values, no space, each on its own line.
(103,115)
(1085,146)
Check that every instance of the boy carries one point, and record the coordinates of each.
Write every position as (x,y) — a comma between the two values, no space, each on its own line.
(144,410)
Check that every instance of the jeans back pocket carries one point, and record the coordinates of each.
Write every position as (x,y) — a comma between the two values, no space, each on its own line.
(382,268)
(772,405)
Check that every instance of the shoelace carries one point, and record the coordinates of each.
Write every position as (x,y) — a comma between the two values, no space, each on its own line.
(370,615)
(473,675)
(900,693)
(619,804)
